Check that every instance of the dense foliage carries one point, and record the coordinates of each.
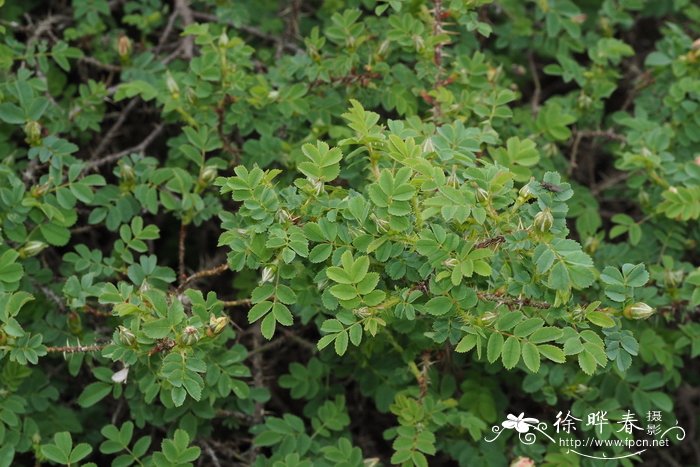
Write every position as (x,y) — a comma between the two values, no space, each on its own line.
(345,232)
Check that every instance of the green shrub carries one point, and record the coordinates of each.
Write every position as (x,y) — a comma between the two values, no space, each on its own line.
(317,233)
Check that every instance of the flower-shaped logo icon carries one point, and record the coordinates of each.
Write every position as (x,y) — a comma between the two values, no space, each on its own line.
(519,423)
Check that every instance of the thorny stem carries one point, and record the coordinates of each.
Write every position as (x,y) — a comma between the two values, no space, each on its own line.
(437,58)
(235,303)
(76,348)
(215,271)
(181,252)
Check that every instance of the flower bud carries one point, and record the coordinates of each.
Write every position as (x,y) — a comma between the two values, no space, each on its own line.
(450,262)
(268,274)
(639,310)
(382,224)
(522,462)
(362,312)
(32,129)
(481,195)
(488,318)
(39,190)
(189,336)
(216,325)
(126,337)
(191,96)
(585,101)
(127,171)
(3,337)
(428,146)
(121,376)
(124,47)
(172,86)
(223,39)
(208,174)
(32,248)
(418,42)
(544,220)
(383,47)
(526,192)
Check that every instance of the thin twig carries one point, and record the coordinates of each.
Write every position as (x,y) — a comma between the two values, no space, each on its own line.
(92,165)
(537,92)
(311,347)
(291,31)
(579,135)
(182,7)
(252,30)
(609,134)
(610,182)
(114,129)
(574,153)
(258,379)
(210,452)
(166,32)
(512,301)
(105,66)
(95,312)
(51,295)
(493,241)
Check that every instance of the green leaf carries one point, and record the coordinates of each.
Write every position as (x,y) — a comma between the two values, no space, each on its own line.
(258,311)
(282,314)
(80,452)
(511,352)
(545,334)
(601,319)
(10,113)
(55,234)
(93,393)
(527,327)
(268,325)
(507,321)
(466,343)
(438,306)
(341,343)
(157,329)
(551,352)
(494,347)
(531,356)
(587,362)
